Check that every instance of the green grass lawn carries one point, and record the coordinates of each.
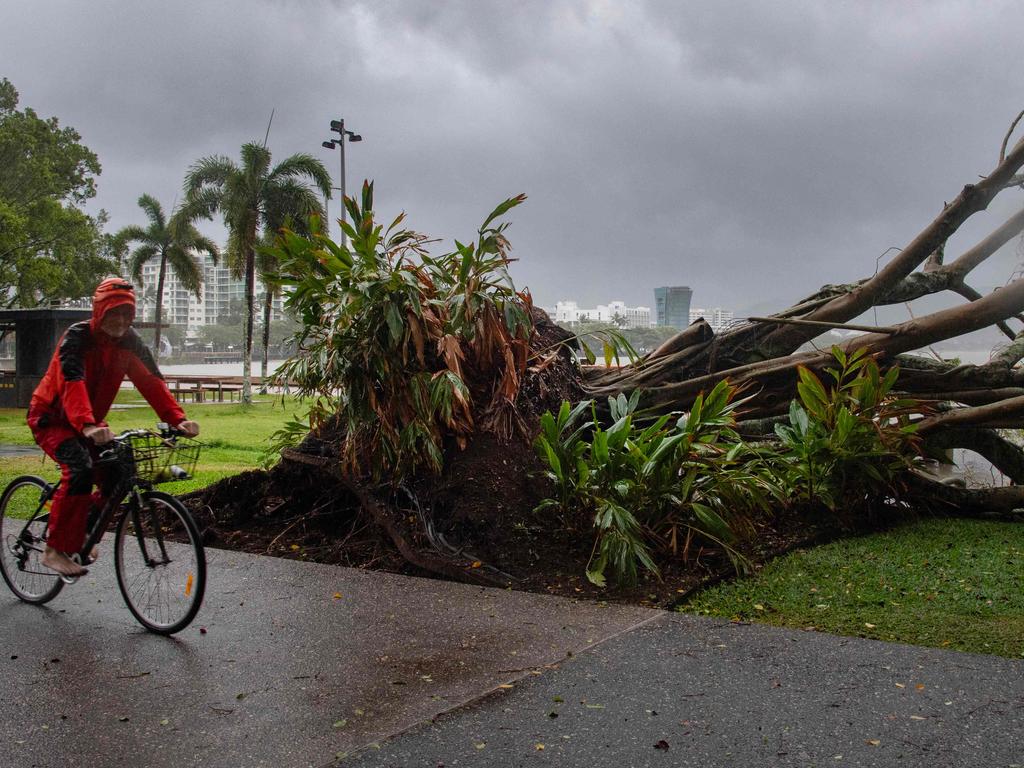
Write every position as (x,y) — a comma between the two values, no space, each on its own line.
(939,582)
(235,436)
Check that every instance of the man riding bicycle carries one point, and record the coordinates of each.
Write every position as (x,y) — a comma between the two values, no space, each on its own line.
(67,410)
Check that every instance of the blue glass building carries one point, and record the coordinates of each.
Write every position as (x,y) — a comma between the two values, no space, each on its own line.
(672,305)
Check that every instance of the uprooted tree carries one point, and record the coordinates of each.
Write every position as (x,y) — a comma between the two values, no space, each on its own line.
(413,364)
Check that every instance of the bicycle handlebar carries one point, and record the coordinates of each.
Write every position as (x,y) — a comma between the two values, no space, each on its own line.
(122,439)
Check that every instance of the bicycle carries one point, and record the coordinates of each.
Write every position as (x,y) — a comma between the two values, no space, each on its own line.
(159,558)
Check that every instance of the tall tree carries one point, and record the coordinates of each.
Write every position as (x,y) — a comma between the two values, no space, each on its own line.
(254,200)
(49,247)
(174,242)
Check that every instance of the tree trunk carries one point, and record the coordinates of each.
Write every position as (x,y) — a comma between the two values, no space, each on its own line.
(159,306)
(250,309)
(268,305)
(963,403)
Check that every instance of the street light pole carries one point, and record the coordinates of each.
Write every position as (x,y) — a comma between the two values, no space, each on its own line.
(338,126)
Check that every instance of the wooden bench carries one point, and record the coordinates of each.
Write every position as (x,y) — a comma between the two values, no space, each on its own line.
(203,389)
(183,388)
(209,388)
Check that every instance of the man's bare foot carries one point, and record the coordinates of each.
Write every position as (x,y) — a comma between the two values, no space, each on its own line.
(94,555)
(57,561)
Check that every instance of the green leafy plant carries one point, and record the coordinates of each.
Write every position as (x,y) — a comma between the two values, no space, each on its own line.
(562,447)
(408,350)
(847,444)
(663,487)
(614,345)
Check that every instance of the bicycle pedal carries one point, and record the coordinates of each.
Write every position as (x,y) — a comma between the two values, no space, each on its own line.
(72,579)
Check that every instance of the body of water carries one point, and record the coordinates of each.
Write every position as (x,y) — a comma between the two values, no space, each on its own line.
(969,356)
(215,369)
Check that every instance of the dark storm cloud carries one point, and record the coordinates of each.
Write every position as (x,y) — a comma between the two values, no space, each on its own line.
(751,150)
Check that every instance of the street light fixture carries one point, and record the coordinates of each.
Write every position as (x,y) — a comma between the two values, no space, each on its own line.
(338,126)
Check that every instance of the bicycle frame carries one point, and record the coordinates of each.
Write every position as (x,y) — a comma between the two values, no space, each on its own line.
(125,490)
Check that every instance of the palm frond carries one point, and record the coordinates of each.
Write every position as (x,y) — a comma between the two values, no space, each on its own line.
(212,170)
(130,234)
(290,203)
(139,257)
(255,160)
(200,242)
(201,203)
(184,232)
(236,253)
(299,165)
(154,211)
(186,267)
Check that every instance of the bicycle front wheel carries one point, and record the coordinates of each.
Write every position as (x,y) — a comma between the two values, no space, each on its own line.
(23,523)
(160,563)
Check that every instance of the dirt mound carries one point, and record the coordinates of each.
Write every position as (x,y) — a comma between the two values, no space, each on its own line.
(478,513)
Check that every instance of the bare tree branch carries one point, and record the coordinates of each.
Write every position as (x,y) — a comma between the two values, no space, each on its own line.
(1009,133)
(973,198)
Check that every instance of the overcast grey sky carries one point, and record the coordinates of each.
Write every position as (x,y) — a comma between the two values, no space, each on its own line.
(752,150)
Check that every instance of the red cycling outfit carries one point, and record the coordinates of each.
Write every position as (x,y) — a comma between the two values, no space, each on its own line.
(80,385)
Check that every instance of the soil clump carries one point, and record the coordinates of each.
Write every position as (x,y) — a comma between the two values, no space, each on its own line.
(479,511)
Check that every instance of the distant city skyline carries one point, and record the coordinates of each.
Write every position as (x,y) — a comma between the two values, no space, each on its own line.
(570,312)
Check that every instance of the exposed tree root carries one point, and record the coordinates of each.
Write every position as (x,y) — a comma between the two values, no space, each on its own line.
(1003,455)
(995,503)
(400,528)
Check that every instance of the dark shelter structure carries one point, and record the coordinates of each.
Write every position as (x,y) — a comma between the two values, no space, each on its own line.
(36,333)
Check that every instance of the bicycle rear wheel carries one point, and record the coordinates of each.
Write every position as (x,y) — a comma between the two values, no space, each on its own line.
(24,540)
(160,563)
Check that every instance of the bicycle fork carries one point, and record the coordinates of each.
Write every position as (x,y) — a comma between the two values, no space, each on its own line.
(139,513)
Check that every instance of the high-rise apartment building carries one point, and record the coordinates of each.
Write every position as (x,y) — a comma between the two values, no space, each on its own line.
(672,305)
(181,307)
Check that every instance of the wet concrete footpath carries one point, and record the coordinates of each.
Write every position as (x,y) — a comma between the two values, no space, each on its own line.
(287,664)
(309,665)
(686,691)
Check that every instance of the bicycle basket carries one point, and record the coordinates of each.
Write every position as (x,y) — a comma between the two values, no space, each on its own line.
(163,460)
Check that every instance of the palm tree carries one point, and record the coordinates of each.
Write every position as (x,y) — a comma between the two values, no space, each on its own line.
(174,242)
(254,199)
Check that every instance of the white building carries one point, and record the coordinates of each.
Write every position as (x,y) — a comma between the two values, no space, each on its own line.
(717,318)
(181,307)
(613,313)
